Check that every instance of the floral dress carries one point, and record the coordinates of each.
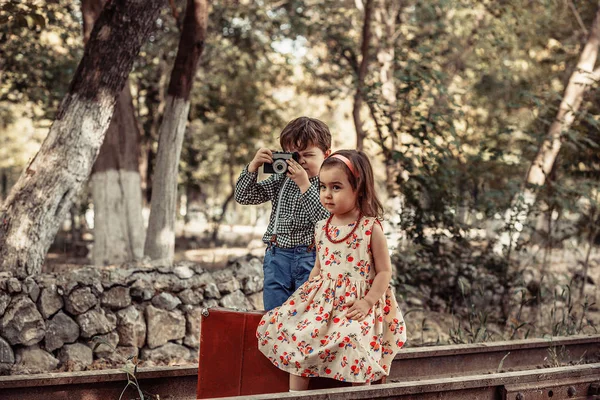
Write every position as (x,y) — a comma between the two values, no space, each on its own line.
(309,335)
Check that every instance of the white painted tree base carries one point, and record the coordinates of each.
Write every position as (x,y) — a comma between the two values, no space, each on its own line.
(160,239)
(118,223)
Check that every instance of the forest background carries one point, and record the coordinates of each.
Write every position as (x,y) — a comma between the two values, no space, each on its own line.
(481,117)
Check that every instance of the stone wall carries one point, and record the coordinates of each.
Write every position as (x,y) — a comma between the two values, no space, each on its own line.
(96,317)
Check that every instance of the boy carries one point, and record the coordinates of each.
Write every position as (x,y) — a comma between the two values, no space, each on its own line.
(290,254)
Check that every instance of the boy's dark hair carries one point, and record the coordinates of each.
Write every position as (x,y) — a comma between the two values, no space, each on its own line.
(363,183)
(303,132)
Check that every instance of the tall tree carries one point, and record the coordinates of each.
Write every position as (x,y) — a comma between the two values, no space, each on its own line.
(115,181)
(582,78)
(160,238)
(39,201)
(361,74)
(386,15)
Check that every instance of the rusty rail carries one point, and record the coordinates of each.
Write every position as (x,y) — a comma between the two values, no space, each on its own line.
(480,358)
(450,365)
(573,382)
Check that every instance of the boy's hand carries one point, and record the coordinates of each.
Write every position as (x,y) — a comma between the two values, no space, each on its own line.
(298,175)
(358,310)
(263,155)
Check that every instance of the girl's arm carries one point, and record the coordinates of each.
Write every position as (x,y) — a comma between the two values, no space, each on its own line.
(316,269)
(383,266)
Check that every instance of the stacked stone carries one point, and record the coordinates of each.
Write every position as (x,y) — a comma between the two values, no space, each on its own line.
(110,314)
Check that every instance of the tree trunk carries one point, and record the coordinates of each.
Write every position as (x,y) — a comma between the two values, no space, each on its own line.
(39,201)
(219,221)
(3,186)
(115,181)
(160,239)
(231,173)
(155,103)
(385,14)
(362,73)
(580,81)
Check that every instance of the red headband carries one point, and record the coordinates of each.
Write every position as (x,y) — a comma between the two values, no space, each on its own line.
(347,162)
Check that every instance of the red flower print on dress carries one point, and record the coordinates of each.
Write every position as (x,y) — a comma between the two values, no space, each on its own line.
(353,241)
(366,327)
(322,318)
(285,358)
(394,325)
(348,342)
(344,361)
(292,312)
(329,295)
(375,344)
(385,349)
(363,267)
(304,348)
(301,326)
(357,367)
(327,356)
(339,377)
(310,372)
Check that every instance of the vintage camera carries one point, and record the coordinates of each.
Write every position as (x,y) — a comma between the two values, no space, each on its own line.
(279,165)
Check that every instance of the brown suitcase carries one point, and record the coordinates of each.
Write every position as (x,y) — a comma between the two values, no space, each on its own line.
(230,363)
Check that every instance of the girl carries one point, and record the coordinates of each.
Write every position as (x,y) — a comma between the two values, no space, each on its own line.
(344,322)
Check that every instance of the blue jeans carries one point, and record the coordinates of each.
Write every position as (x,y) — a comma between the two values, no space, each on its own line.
(285,271)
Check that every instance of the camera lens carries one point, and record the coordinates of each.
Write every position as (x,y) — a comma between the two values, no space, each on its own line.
(279,166)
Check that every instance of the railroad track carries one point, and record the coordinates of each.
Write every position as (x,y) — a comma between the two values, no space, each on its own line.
(572,382)
(519,370)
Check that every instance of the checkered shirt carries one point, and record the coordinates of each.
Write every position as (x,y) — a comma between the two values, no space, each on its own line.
(298,213)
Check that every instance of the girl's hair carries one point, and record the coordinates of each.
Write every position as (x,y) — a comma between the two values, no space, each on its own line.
(361,179)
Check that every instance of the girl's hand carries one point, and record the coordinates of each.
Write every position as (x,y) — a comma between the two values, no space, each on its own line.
(358,310)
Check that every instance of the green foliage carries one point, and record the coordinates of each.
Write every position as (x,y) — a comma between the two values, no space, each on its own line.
(40,56)
(39,49)
(567,320)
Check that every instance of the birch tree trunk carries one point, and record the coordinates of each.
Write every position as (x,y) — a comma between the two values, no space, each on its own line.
(580,81)
(385,15)
(160,238)
(361,75)
(39,201)
(115,182)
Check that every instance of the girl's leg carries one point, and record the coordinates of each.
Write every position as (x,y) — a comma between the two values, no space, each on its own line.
(298,382)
